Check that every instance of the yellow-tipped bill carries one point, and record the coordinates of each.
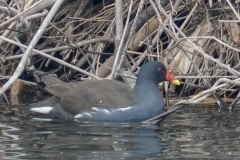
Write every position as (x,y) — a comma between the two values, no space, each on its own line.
(170,78)
(176,82)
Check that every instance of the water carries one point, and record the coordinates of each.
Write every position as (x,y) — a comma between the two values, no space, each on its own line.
(192,132)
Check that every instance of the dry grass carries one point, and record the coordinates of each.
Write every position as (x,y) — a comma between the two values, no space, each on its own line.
(198,41)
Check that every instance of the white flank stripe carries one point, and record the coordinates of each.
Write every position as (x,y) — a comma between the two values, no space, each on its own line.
(96,109)
(124,109)
(78,116)
(42,119)
(44,110)
(88,114)
(106,111)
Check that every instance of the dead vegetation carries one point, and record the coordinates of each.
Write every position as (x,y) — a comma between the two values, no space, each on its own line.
(84,39)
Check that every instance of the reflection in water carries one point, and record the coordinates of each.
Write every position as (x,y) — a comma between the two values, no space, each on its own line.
(189,133)
(8,141)
(75,140)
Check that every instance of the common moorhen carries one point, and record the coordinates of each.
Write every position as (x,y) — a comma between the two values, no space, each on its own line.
(107,100)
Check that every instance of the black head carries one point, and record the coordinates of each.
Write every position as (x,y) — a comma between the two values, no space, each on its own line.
(155,72)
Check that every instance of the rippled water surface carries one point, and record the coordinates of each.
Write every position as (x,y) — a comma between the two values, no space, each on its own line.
(192,132)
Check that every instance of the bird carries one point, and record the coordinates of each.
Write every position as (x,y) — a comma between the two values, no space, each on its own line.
(106,100)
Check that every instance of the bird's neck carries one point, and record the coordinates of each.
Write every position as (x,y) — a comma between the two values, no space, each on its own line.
(146,89)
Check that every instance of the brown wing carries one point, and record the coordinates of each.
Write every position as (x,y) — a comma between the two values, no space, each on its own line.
(54,85)
(82,96)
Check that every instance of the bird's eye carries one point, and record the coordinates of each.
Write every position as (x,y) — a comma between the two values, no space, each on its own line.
(159,69)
